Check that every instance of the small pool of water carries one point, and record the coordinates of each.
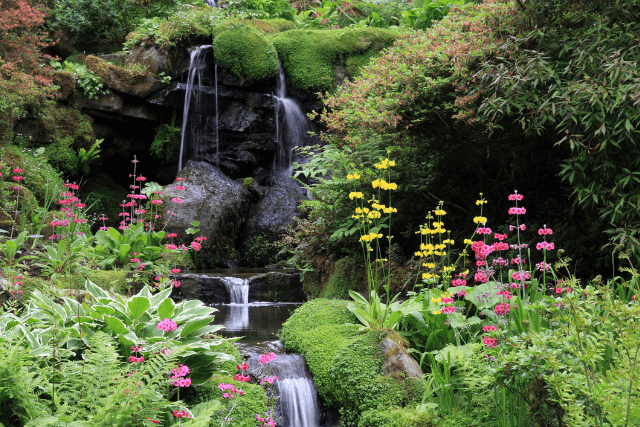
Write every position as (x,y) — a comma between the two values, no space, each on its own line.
(255,322)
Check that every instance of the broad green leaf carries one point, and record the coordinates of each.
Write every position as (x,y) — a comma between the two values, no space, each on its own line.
(137,306)
(195,324)
(116,325)
(166,308)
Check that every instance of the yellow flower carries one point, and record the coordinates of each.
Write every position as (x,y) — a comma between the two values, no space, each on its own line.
(349,176)
(429,265)
(375,183)
(365,210)
(356,195)
(392,163)
(449,268)
(374,214)
(439,212)
(479,220)
(449,241)
(480,202)
(467,241)
(390,210)
(356,176)
(436,300)
(437,312)
(358,210)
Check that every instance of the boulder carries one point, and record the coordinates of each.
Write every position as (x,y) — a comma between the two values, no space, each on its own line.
(210,290)
(154,58)
(397,361)
(219,203)
(276,287)
(140,84)
(110,102)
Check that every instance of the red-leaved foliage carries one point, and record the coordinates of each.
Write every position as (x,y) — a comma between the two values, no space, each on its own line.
(25,77)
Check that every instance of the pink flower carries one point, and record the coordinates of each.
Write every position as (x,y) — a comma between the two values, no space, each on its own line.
(170,235)
(489,342)
(545,231)
(179,187)
(175,270)
(172,246)
(489,328)
(156,202)
(200,239)
(196,246)
(502,309)
(167,325)
(17,170)
(517,211)
(515,196)
(484,230)
(176,200)
(448,309)
(545,245)
(266,358)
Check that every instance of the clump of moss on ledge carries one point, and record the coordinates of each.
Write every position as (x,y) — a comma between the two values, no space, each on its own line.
(309,56)
(244,51)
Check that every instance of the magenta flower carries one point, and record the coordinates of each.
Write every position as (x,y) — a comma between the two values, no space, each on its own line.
(167,325)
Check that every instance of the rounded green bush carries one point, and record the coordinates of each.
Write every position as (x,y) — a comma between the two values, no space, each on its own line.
(399,417)
(244,51)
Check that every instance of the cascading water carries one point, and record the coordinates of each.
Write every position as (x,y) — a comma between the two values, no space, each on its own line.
(191,96)
(293,129)
(298,398)
(238,289)
(215,67)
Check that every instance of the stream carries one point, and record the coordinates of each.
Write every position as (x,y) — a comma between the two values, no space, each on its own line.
(258,324)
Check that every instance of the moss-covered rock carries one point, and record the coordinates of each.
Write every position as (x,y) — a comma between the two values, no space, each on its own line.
(253,401)
(347,364)
(309,56)
(112,280)
(133,82)
(244,51)
(66,82)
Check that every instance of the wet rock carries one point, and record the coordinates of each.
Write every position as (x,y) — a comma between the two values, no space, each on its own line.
(275,211)
(237,117)
(276,287)
(109,102)
(397,361)
(210,290)
(210,197)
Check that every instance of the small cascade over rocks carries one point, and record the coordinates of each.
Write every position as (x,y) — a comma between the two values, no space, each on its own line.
(298,404)
(238,289)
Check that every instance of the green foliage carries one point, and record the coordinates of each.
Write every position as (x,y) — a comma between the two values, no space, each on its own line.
(60,258)
(166,144)
(88,21)
(400,417)
(259,251)
(87,80)
(309,57)
(252,402)
(86,157)
(262,9)
(244,51)
(575,78)
(10,248)
(110,280)
(118,248)
(343,279)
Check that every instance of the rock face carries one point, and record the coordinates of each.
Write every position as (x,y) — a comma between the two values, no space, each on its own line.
(210,197)
(269,287)
(397,361)
(276,287)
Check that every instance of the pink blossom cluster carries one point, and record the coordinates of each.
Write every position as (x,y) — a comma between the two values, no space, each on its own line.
(489,328)
(515,196)
(265,422)
(200,239)
(178,375)
(517,211)
(506,294)
(561,290)
(480,277)
(458,282)
(448,309)
(196,246)
(520,275)
(266,358)
(481,250)
(543,266)
(242,378)
(167,325)
(502,308)
(175,270)
(500,261)
(490,342)
(269,380)
(500,246)
(462,293)
(544,231)
(545,245)
(232,391)
(484,230)
(181,414)
(499,236)
(522,227)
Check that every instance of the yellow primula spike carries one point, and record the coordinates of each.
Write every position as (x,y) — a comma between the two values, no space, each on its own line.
(356,176)
(349,176)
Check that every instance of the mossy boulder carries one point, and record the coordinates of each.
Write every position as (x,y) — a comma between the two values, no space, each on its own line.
(154,58)
(348,365)
(245,52)
(66,82)
(309,56)
(397,417)
(137,83)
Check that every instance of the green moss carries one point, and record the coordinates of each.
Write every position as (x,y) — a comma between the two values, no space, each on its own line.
(39,176)
(346,364)
(271,26)
(248,182)
(345,277)
(66,82)
(244,51)
(356,62)
(258,251)
(399,417)
(309,56)
(252,402)
(180,259)
(113,280)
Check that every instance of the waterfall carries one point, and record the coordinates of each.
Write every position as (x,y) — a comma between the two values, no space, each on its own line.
(212,3)
(196,67)
(238,289)
(215,67)
(298,398)
(294,128)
